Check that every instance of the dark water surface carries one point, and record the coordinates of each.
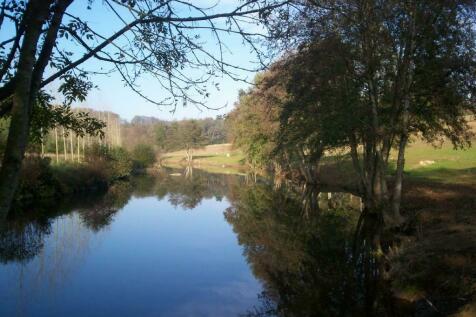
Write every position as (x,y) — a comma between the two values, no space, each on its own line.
(202,245)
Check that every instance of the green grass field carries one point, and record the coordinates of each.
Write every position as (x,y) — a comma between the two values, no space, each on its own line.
(443,164)
(423,161)
(213,155)
(216,158)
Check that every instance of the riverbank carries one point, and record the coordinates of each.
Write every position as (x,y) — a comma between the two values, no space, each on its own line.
(432,263)
(41,179)
(430,266)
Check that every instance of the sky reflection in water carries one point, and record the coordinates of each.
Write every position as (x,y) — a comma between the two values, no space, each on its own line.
(209,245)
(153,259)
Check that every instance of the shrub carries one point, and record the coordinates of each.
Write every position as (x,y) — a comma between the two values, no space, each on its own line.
(36,179)
(39,179)
(143,156)
(119,164)
(115,162)
(73,178)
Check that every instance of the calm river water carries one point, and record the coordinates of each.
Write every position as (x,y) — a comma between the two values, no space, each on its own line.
(201,245)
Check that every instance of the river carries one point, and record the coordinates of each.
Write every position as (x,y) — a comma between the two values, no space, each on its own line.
(189,245)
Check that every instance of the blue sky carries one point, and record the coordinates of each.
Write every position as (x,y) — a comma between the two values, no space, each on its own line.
(111,94)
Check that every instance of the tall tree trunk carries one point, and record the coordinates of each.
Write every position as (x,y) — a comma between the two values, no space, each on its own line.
(108,131)
(56,145)
(42,144)
(397,189)
(189,153)
(23,98)
(119,132)
(100,140)
(84,153)
(71,145)
(64,145)
(356,162)
(77,140)
(408,61)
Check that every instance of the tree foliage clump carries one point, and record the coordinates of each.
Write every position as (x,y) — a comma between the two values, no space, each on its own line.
(254,122)
(116,162)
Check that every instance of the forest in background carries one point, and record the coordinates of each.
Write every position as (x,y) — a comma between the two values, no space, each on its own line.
(93,149)
(65,143)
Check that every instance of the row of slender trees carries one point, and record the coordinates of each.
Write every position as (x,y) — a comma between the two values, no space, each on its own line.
(67,145)
(64,143)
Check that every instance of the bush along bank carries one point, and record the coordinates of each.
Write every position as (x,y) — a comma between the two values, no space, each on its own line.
(43,180)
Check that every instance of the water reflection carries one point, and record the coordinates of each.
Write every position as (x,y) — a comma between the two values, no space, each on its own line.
(302,246)
(20,241)
(188,189)
(313,251)
(22,237)
(136,243)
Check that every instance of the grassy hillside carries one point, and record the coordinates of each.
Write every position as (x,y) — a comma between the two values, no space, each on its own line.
(216,155)
(423,161)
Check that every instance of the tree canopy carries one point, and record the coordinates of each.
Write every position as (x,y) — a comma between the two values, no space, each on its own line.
(366,76)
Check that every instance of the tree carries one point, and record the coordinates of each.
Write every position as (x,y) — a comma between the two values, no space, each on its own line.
(411,68)
(161,135)
(254,122)
(157,37)
(190,136)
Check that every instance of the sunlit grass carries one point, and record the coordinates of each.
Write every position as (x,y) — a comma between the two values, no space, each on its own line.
(443,164)
(214,169)
(216,156)
(422,161)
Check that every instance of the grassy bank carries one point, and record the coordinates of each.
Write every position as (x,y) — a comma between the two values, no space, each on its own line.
(443,165)
(211,156)
(433,263)
(423,162)
(434,260)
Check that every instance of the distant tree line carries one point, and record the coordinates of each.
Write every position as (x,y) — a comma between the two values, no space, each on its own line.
(166,136)
(88,133)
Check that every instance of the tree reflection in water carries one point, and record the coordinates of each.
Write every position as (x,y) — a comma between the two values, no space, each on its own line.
(20,241)
(22,237)
(189,188)
(301,246)
(301,243)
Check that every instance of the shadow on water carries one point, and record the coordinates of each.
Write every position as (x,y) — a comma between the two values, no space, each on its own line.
(315,252)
